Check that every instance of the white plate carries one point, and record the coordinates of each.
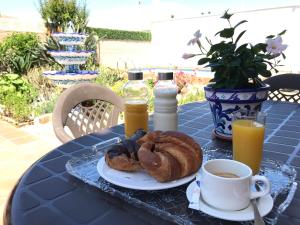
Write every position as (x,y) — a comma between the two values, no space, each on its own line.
(136,180)
(265,205)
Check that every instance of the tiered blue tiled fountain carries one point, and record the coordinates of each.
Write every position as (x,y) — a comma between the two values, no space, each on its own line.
(71,58)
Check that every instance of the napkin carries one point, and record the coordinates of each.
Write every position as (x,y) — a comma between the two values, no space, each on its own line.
(194,203)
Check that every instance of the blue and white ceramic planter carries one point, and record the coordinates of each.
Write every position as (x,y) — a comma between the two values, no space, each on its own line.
(225,101)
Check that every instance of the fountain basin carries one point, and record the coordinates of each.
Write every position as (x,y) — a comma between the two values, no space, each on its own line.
(70,57)
(69,39)
(62,75)
(66,79)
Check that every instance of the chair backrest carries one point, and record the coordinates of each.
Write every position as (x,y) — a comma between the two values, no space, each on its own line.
(284,87)
(85,108)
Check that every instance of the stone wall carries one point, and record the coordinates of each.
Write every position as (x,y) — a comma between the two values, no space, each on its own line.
(9,24)
(170,37)
(124,54)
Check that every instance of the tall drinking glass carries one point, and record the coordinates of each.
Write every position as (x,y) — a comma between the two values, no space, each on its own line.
(248,130)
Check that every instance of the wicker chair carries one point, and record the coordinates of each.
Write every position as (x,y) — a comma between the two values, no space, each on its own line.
(85,108)
(284,87)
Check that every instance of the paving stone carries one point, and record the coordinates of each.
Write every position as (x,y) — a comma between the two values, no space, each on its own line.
(12,133)
(23,139)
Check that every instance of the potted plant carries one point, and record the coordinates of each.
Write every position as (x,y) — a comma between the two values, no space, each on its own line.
(236,83)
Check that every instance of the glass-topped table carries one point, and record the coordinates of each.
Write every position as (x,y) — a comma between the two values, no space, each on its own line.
(47,194)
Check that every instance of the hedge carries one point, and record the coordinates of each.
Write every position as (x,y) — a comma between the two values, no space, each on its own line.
(121,34)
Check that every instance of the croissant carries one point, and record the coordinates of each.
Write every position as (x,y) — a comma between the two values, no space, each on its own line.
(170,155)
(166,156)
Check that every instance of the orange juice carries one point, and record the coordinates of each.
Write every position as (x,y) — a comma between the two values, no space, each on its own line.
(136,117)
(247,139)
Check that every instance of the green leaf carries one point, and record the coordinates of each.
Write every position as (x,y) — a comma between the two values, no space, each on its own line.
(239,37)
(226,33)
(212,65)
(234,63)
(241,48)
(19,81)
(243,21)
(226,15)
(203,61)
(12,76)
(282,32)
(265,73)
(270,36)
(216,47)
(259,47)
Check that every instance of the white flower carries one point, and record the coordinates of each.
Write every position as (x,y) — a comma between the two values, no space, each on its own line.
(275,46)
(188,55)
(197,36)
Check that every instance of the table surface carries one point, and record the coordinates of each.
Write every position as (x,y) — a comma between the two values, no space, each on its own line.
(47,194)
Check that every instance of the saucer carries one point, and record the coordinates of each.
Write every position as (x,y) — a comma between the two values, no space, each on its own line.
(264,204)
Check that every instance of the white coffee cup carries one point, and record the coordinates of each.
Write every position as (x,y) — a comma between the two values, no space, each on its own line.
(229,193)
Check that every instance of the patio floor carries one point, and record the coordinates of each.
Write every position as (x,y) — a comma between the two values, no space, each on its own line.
(19,148)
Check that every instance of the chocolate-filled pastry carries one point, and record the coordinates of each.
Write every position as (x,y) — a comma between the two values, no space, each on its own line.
(123,156)
(166,156)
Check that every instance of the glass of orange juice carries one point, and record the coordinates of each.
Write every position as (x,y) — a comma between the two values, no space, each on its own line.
(248,130)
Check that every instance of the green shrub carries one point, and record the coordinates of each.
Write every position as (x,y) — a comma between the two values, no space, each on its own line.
(121,34)
(45,107)
(17,96)
(17,106)
(14,83)
(42,84)
(58,13)
(192,96)
(108,76)
(20,52)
